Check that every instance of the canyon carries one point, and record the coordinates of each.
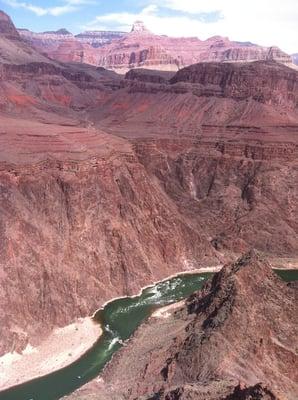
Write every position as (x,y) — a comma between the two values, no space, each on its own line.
(120,51)
(232,340)
(109,182)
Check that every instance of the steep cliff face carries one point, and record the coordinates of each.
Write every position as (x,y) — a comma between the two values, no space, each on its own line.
(7,28)
(232,340)
(214,138)
(74,234)
(12,48)
(204,100)
(271,84)
(107,184)
(143,49)
(230,191)
(83,209)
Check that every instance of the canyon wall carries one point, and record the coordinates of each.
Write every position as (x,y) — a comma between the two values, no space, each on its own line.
(75,234)
(109,183)
(141,48)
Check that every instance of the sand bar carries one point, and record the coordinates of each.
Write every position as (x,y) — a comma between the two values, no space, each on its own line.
(61,348)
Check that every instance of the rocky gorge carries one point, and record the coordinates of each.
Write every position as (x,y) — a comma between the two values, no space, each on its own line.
(109,183)
(232,340)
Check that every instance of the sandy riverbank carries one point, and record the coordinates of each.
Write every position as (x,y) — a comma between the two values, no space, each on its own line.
(68,344)
(61,348)
(167,311)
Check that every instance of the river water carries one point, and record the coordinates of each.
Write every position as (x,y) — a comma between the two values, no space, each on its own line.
(118,319)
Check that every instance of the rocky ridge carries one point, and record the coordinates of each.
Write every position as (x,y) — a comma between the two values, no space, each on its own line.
(7,28)
(142,49)
(12,48)
(99,38)
(60,45)
(235,339)
(94,38)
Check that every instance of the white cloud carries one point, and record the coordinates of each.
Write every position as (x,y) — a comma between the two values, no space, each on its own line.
(194,6)
(67,7)
(265,22)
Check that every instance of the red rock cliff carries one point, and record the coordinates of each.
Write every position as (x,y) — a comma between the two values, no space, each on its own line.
(142,49)
(108,184)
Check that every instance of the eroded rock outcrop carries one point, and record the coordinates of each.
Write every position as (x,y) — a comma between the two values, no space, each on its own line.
(7,28)
(143,49)
(47,42)
(264,82)
(12,48)
(60,45)
(235,339)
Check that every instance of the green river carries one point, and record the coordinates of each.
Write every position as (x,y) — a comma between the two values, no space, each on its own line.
(119,319)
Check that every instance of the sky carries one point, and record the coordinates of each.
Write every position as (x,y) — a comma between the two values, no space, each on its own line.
(265,22)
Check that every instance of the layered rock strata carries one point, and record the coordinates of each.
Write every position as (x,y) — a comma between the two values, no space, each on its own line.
(108,184)
(143,49)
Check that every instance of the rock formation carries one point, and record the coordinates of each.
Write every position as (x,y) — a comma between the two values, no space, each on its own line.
(99,38)
(271,84)
(60,45)
(142,49)
(140,28)
(108,184)
(46,42)
(235,339)
(7,28)
(12,48)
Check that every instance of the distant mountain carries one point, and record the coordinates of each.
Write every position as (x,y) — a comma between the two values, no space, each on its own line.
(61,31)
(99,38)
(140,48)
